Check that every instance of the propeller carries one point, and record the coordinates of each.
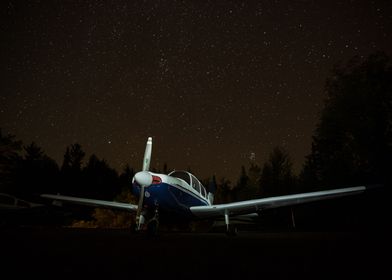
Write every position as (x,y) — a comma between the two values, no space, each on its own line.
(144,179)
(147,155)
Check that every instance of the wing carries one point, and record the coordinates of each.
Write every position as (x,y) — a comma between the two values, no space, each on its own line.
(256,205)
(91,202)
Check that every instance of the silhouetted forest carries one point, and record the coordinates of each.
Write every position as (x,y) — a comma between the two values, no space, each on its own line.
(352,145)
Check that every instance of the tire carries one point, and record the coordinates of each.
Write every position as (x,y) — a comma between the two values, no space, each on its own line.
(152,227)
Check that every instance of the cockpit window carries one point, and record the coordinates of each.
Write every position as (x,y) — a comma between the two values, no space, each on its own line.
(181,175)
(191,180)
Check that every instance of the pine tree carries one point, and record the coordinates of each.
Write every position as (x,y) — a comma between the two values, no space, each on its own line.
(10,159)
(277,177)
(353,140)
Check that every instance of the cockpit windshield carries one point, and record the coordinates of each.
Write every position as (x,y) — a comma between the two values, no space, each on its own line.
(190,180)
(181,175)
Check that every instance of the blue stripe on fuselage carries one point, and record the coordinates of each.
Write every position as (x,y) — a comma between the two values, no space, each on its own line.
(171,199)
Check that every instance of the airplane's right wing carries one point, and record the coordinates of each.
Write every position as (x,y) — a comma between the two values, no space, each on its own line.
(91,202)
(257,205)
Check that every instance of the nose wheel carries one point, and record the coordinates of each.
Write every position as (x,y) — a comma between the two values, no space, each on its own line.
(151,226)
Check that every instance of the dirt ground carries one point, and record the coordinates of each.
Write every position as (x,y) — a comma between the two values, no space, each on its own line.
(65,253)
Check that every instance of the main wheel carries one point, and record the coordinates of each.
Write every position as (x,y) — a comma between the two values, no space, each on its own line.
(152,227)
(232,231)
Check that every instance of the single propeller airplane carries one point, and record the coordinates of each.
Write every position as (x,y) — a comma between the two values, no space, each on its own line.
(180,195)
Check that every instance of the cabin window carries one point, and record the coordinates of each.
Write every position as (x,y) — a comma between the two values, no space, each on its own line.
(196,184)
(203,191)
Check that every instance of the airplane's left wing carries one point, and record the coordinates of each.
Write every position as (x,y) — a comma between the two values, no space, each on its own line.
(256,205)
(91,202)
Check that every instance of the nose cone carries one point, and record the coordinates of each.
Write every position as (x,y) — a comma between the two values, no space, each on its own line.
(143,178)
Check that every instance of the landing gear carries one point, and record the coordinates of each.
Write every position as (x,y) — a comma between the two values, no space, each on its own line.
(151,226)
(140,222)
(230,229)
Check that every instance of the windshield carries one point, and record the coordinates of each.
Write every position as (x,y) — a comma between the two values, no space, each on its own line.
(181,175)
(190,180)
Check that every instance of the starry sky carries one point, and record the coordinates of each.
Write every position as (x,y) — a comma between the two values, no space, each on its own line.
(213,82)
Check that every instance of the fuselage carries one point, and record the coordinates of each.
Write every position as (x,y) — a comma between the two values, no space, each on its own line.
(173,194)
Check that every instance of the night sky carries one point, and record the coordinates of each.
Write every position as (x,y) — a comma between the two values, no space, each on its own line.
(211,81)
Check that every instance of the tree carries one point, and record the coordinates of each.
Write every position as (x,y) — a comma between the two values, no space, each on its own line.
(254,174)
(38,172)
(71,170)
(247,184)
(212,185)
(223,191)
(9,161)
(352,143)
(100,181)
(277,177)
(33,152)
(242,183)
(126,177)
(28,175)
(73,158)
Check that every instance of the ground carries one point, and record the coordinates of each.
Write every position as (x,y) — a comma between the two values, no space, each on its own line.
(66,253)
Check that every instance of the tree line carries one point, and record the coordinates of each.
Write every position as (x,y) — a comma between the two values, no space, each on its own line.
(351,145)
(352,142)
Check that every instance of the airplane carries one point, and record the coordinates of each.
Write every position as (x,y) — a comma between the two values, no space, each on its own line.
(180,195)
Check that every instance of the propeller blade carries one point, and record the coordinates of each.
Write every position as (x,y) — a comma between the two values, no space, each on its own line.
(147,155)
(139,208)
(144,179)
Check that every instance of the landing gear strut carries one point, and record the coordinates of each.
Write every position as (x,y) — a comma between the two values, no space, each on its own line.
(230,229)
(153,223)
(147,224)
